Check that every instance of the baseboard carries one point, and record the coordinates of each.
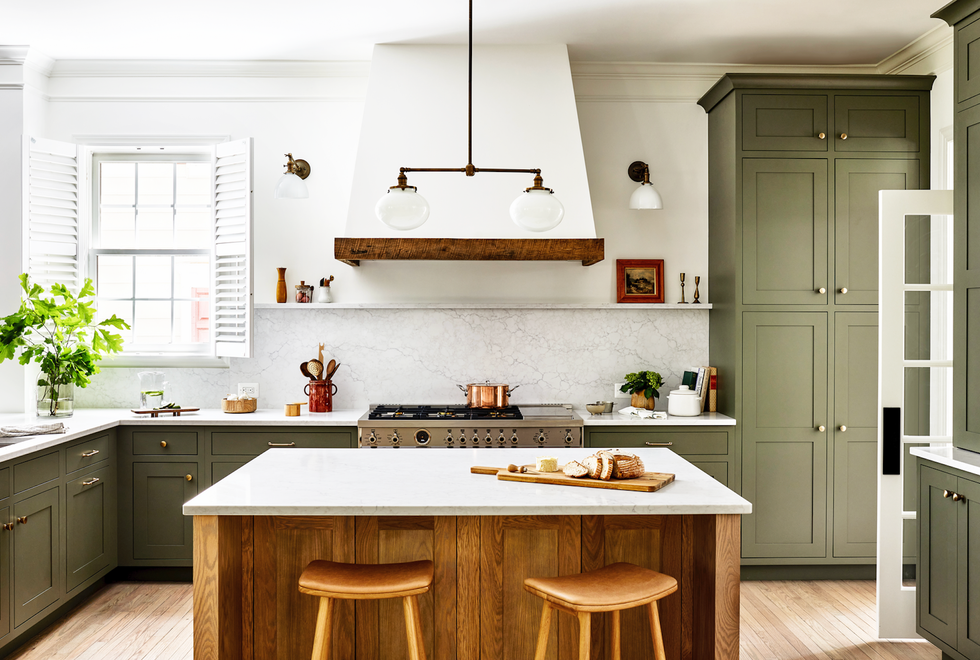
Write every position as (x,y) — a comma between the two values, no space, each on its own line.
(813,572)
(151,574)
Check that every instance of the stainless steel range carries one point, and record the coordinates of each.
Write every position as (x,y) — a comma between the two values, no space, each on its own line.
(543,425)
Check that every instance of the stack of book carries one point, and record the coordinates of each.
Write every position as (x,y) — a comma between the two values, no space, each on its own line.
(704,381)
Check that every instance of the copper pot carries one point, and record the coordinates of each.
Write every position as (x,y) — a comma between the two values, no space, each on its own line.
(487,395)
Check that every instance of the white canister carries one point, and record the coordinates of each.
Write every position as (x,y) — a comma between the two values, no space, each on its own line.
(683,402)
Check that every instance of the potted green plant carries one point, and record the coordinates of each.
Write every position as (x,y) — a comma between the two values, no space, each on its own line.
(644,386)
(59,333)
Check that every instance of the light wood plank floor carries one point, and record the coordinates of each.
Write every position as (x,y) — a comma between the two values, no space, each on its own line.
(822,620)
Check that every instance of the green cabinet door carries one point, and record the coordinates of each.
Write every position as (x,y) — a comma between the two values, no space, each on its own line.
(783,122)
(784,454)
(876,123)
(855,433)
(784,231)
(966,282)
(37,544)
(91,512)
(967,45)
(936,574)
(968,568)
(856,238)
(160,529)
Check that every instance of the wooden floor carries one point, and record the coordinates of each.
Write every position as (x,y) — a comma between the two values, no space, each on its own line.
(831,620)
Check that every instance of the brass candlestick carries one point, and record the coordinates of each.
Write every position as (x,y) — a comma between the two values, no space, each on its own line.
(697,292)
(682,302)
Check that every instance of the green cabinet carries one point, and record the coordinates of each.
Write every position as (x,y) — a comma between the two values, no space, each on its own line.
(795,165)
(160,529)
(948,588)
(91,523)
(36,562)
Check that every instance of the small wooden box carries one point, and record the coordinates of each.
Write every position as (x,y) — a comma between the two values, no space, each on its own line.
(239,406)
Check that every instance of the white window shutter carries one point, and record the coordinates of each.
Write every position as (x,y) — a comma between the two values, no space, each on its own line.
(231,211)
(51,212)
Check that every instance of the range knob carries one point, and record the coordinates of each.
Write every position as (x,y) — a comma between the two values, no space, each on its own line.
(488,439)
(568,439)
(372,439)
(394,438)
(541,439)
(476,439)
(449,439)
(462,439)
(422,437)
(501,439)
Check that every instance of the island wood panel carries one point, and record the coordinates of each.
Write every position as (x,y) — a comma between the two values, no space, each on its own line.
(285,619)
(218,580)
(513,548)
(715,551)
(468,587)
(654,542)
(380,624)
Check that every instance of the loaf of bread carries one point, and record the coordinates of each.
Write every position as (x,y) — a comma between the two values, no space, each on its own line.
(607,465)
(575,469)
(546,464)
(628,466)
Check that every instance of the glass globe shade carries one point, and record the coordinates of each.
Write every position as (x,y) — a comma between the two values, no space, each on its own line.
(292,187)
(646,197)
(402,208)
(536,210)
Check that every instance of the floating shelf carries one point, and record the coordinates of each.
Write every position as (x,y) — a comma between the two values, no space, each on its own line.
(353,251)
(488,305)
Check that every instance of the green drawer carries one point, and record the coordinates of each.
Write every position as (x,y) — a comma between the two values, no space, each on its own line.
(4,483)
(165,443)
(35,471)
(247,443)
(86,453)
(681,442)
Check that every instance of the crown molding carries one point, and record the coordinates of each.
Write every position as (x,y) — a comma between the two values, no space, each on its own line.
(930,53)
(53,98)
(209,69)
(150,140)
(13,54)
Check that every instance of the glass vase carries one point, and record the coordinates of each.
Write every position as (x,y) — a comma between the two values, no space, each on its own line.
(54,400)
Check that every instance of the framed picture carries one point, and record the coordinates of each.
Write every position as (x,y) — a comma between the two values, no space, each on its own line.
(639,280)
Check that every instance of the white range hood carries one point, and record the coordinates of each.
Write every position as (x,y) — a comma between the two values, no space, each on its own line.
(524,116)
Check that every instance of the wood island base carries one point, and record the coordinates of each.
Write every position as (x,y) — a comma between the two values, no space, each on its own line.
(247,605)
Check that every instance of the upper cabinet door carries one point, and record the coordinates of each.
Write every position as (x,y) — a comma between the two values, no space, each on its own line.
(856,201)
(967,84)
(784,231)
(876,123)
(779,122)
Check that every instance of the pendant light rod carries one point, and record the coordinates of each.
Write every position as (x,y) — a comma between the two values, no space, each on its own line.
(469,99)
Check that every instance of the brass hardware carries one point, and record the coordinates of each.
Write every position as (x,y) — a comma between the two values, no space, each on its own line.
(843,289)
(842,428)
(163,443)
(843,136)
(821,428)
(821,135)
(697,291)
(8,526)
(299,167)
(659,444)
(189,478)
(822,290)
(959,498)
(22,520)
(947,493)
(282,444)
(90,454)
(93,480)
(683,300)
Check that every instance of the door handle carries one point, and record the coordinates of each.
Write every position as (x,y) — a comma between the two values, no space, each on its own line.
(189,477)
(8,526)
(22,520)
(821,135)
(163,443)
(891,441)
(822,290)
(947,494)
(90,454)
(843,136)
(842,428)
(821,428)
(843,289)
(959,498)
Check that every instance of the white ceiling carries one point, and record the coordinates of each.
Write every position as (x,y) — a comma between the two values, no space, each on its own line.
(706,31)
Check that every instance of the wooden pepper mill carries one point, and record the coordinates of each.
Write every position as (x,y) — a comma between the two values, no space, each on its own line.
(281,286)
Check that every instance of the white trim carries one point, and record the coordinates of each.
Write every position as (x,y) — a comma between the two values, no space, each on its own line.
(95,142)
(119,361)
(13,54)
(210,69)
(487,305)
(271,98)
(930,53)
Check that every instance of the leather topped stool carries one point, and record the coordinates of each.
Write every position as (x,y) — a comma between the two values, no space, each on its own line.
(609,589)
(331,581)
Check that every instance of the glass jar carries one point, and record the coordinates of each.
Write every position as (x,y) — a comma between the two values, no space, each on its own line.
(54,400)
(304,292)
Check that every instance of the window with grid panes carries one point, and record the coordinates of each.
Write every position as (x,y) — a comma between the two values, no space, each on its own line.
(151,249)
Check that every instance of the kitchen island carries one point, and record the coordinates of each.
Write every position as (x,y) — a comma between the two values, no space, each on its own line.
(257,529)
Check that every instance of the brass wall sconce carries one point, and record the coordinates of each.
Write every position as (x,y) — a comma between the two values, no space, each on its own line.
(291,184)
(646,196)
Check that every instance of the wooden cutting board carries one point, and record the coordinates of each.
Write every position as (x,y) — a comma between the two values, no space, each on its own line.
(648,483)
(166,411)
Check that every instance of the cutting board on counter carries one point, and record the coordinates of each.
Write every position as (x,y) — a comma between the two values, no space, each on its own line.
(648,483)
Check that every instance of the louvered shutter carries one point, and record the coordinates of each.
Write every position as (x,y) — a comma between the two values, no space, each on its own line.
(51,203)
(232,248)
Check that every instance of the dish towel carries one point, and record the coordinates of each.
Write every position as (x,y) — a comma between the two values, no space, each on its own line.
(31,429)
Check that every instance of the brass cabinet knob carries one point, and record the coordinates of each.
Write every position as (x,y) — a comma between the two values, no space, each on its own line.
(163,443)
(947,493)
(959,498)
(189,477)
(822,290)
(90,454)
(843,289)
(842,428)
(843,136)
(821,135)
(22,520)
(8,526)
(821,428)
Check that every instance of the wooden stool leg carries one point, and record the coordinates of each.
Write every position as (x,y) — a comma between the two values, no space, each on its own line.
(542,647)
(413,628)
(324,622)
(658,638)
(615,636)
(584,635)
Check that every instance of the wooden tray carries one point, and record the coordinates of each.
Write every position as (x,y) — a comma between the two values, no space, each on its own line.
(168,411)
(648,483)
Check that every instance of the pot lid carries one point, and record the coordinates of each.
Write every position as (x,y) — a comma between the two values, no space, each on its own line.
(684,390)
(487,384)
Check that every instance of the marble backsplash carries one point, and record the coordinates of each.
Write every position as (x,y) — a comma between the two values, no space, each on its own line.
(419,355)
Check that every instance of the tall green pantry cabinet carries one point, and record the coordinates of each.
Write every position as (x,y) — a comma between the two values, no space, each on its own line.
(795,164)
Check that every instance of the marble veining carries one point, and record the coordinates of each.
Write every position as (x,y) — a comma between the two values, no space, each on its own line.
(419,355)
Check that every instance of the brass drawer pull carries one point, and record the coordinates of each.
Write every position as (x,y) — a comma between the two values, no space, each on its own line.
(189,478)
(821,135)
(947,493)
(8,526)
(90,453)
(959,498)
(163,443)
(93,480)
(282,444)
(659,444)
(22,520)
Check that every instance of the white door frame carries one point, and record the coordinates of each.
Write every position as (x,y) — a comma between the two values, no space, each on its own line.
(896,603)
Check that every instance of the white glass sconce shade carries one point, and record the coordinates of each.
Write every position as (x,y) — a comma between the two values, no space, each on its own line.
(646,197)
(291,186)
(402,208)
(537,210)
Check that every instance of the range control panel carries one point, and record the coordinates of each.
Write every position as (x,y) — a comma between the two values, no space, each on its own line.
(472,436)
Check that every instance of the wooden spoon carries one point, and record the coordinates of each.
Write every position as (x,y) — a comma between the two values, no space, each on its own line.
(330,375)
(319,354)
(315,367)
(305,371)
(331,367)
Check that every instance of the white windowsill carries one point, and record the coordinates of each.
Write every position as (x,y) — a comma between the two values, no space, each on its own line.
(172,361)
(487,305)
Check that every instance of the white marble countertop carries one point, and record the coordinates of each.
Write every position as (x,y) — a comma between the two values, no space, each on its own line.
(92,420)
(950,456)
(407,482)
(617,419)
